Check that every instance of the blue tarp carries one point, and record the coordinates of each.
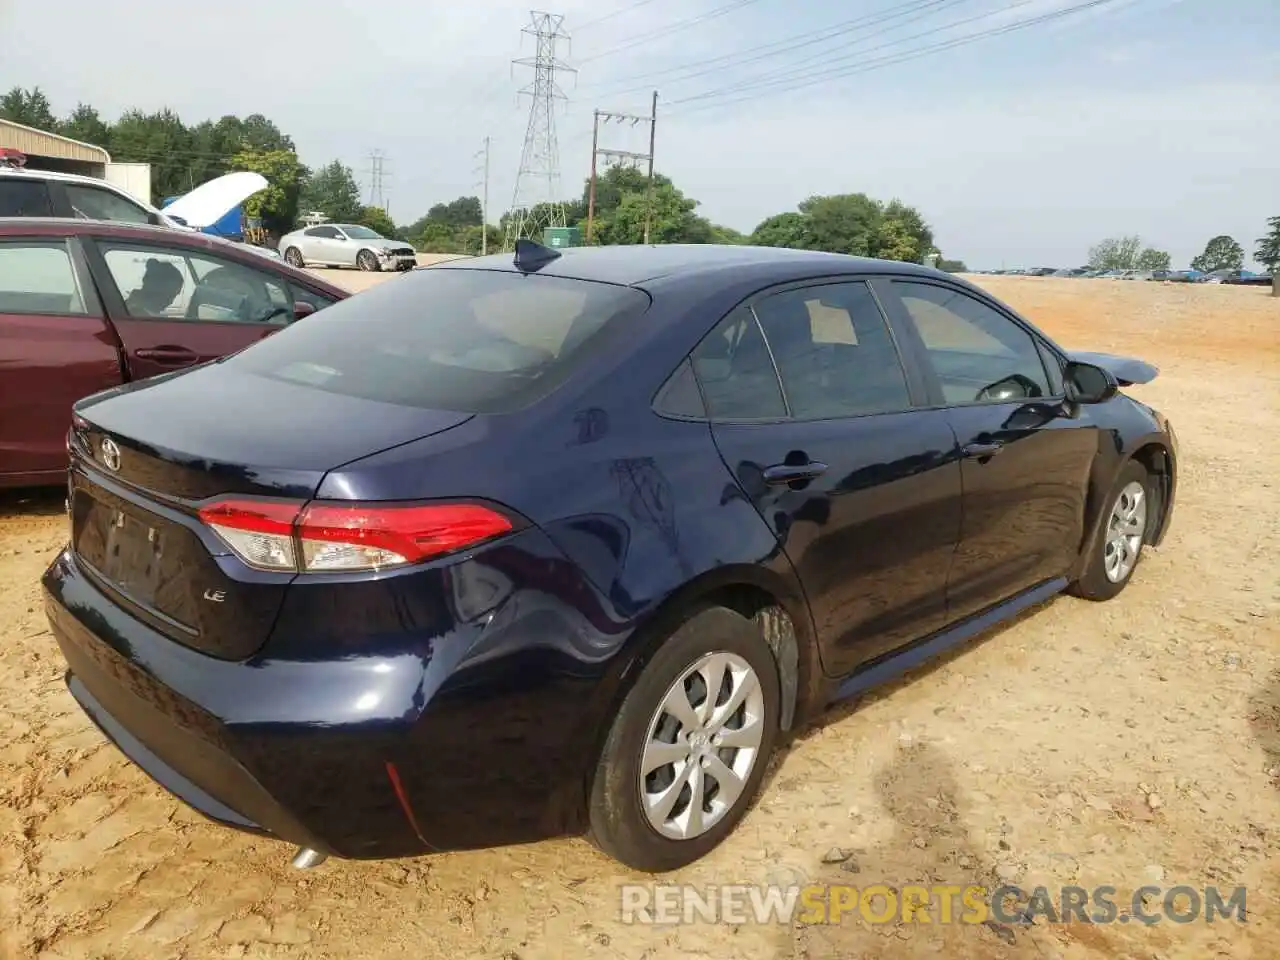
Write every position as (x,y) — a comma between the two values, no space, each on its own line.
(229,226)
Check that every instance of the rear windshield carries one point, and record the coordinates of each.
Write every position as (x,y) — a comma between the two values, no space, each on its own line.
(473,341)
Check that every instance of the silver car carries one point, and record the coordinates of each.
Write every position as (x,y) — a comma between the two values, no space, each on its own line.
(345,245)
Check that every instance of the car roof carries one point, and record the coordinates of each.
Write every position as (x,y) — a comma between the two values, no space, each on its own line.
(11,227)
(634,265)
(72,226)
(33,173)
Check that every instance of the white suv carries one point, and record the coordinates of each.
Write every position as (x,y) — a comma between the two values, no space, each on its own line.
(43,193)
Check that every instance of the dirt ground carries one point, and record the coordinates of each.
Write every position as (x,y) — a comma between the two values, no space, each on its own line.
(1124,743)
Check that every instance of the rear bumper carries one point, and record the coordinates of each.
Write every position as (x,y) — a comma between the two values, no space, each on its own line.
(475,730)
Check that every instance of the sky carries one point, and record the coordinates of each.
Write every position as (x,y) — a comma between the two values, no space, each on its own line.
(1152,117)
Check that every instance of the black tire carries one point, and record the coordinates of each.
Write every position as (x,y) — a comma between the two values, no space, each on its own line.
(619,825)
(293,257)
(366,261)
(1094,584)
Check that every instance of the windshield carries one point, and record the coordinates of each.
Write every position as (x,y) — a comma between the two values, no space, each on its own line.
(362,233)
(472,341)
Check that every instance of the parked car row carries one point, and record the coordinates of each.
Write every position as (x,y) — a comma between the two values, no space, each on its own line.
(1165,276)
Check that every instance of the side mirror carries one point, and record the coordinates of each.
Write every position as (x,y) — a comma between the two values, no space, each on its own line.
(178,220)
(1088,383)
(303,309)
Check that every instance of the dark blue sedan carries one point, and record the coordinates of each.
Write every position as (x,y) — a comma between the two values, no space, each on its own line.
(567,543)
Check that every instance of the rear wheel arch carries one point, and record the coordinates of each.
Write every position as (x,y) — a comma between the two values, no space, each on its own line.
(755,593)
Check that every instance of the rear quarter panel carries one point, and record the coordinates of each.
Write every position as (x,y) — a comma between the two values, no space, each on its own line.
(47,363)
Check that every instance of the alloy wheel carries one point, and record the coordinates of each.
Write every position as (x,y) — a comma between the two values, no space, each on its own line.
(703,741)
(1125,529)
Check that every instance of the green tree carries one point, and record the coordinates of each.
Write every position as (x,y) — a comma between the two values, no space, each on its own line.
(1267,252)
(844,223)
(28,107)
(463,212)
(277,205)
(852,223)
(1116,253)
(332,190)
(84,124)
(1220,253)
(375,218)
(161,140)
(783,230)
(723,234)
(672,219)
(468,239)
(616,182)
(952,266)
(902,234)
(1153,259)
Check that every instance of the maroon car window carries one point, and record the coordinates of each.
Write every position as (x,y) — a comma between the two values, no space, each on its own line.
(38,277)
(20,197)
(167,283)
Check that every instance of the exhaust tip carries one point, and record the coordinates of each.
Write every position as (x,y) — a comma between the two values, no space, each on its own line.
(306,858)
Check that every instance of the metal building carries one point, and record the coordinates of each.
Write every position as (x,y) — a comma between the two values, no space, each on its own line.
(48,151)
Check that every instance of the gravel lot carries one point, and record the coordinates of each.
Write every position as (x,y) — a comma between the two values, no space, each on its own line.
(1119,743)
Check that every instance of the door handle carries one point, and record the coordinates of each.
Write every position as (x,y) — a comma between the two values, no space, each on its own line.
(791,472)
(981,451)
(177,356)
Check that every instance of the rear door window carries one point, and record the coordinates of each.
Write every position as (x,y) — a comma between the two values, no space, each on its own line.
(38,277)
(20,197)
(474,341)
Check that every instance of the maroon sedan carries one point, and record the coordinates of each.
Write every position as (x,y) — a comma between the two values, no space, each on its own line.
(87,305)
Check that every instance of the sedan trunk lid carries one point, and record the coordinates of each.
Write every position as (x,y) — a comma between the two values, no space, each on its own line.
(146,457)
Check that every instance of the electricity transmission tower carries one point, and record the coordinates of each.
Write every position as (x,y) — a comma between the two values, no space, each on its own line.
(622,156)
(536,203)
(377,160)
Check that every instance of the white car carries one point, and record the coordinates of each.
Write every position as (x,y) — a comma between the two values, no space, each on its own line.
(346,245)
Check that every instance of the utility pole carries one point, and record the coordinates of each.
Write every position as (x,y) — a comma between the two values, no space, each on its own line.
(377,161)
(538,179)
(648,190)
(611,156)
(591,190)
(484,201)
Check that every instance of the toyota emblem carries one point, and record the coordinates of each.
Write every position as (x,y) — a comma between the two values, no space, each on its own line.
(110,455)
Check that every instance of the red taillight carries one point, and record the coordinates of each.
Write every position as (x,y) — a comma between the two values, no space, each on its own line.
(348,537)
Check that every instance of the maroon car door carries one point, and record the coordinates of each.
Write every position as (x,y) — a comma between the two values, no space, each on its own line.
(55,347)
(174,306)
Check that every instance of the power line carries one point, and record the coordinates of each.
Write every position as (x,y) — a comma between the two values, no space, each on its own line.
(785,82)
(609,16)
(777,47)
(671,28)
(790,73)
